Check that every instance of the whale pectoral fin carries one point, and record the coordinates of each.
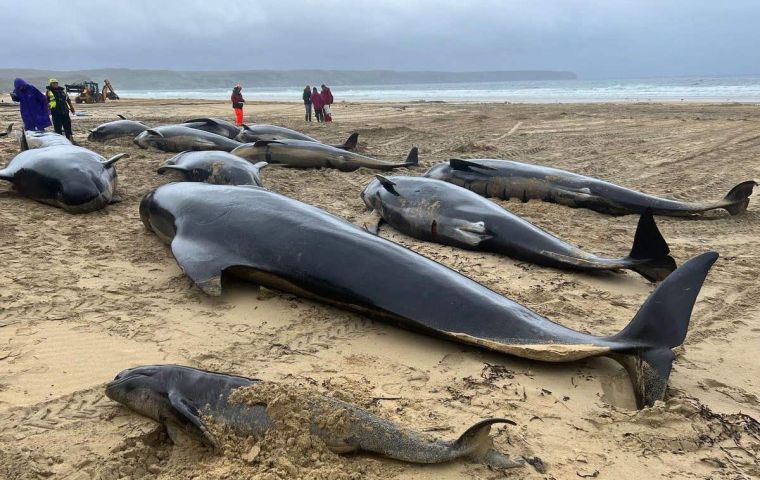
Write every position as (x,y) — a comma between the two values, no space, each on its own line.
(121,116)
(199,264)
(371,222)
(202,142)
(339,446)
(461,232)
(179,436)
(189,412)
(387,184)
(473,233)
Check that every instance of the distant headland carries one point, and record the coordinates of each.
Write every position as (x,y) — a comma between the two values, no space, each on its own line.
(128,79)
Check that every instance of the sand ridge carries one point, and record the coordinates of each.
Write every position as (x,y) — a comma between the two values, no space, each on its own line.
(82,297)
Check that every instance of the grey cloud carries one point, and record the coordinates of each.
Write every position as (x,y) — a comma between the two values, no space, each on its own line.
(593,38)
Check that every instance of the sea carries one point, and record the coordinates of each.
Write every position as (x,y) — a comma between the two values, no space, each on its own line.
(669,89)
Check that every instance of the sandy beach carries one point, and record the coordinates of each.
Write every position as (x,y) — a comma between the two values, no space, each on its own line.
(85,296)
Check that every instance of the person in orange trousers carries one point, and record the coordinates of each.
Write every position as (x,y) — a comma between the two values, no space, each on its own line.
(237,104)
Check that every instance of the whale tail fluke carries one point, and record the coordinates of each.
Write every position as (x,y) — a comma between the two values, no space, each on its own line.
(660,325)
(476,444)
(737,199)
(650,255)
(350,143)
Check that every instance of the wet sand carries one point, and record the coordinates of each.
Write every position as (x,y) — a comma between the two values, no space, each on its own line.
(83,297)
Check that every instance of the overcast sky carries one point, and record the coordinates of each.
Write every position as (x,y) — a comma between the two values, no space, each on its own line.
(593,38)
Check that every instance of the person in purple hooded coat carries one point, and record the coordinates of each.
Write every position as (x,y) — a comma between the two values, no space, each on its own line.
(35,111)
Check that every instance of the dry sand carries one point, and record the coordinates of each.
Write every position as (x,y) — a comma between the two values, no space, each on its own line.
(82,297)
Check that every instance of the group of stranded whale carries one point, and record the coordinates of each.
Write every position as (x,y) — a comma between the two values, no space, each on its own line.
(222,220)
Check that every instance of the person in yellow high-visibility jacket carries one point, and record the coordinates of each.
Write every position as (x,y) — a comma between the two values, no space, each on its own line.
(60,105)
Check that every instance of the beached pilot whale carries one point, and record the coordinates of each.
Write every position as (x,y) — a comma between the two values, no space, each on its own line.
(509,179)
(117,129)
(177,138)
(436,211)
(213,125)
(283,244)
(65,176)
(184,399)
(220,168)
(258,132)
(302,154)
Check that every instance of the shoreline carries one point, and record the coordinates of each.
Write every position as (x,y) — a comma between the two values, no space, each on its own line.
(6,102)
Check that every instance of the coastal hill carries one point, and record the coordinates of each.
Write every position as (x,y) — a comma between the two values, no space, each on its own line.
(127,79)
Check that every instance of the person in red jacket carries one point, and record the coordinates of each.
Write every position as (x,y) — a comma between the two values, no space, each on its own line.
(318,102)
(327,97)
(237,103)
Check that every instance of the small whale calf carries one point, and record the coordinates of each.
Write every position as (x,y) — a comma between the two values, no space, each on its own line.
(437,211)
(509,179)
(185,399)
(307,154)
(116,129)
(215,167)
(178,138)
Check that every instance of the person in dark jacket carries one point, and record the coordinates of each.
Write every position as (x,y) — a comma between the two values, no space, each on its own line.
(316,100)
(237,104)
(35,113)
(327,98)
(307,102)
(60,105)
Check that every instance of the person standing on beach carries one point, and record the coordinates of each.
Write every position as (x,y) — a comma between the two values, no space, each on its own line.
(307,102)
(316,100)
(35,112)
(327,97)
(60,105)
(237,104)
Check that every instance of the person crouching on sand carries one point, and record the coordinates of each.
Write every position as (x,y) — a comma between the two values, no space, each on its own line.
(316,100)
(307,103)
(35,111)
(237,104)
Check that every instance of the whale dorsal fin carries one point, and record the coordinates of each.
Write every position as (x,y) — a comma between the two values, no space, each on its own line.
(185,408)
(466,165)
(24,141)
(387,184)
(205,121)
(122,116)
